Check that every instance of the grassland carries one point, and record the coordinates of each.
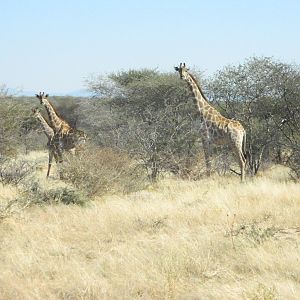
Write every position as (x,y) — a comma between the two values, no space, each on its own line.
(209,239)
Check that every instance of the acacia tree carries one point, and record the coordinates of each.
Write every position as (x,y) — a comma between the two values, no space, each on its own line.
(17,127)
(254,93)
(151,118)
(289,124)
(10,118)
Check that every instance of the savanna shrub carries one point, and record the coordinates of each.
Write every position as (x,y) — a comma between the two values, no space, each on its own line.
(14,171)
(61,195)
(98,171)
(37,194)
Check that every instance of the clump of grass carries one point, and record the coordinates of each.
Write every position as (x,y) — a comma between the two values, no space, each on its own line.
(262,292)
(36,194)
(257,235)
(12,207)
(254,233)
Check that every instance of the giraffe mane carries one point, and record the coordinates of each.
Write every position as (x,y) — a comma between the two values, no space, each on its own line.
(47,121)
(55,110)
(198,86)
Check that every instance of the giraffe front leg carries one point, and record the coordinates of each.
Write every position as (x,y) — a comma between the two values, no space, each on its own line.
(59,161)
(49,162)
(207,156)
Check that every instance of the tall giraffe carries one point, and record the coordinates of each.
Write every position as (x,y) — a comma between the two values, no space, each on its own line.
(59,125)
(52,146)
(70,139)
(215,127)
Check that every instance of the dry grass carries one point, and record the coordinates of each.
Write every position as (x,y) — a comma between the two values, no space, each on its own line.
(208,239)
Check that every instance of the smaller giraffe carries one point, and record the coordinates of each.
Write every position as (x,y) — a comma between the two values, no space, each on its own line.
(52,143)
(215,128)
(70,139)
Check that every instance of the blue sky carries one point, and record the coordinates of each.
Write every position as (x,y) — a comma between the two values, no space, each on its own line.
(53,45)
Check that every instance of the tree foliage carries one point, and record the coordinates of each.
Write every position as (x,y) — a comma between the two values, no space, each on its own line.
(260,93)
(153,119)
(152,114)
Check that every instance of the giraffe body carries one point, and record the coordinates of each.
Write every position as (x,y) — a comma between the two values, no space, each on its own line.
(215,128)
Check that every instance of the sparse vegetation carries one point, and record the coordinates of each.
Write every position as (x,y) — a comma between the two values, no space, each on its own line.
(133,216)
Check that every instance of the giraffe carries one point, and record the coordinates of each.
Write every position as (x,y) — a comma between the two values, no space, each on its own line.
(215,128)
(53,150)
(59,125)
(70,139)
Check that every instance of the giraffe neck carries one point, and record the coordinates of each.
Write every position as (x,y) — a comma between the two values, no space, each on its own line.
(47,129)
(199,97)
(55,121)
(215,123)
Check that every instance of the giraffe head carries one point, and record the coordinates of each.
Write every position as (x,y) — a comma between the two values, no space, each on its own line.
(35,111)
(182,70)
(42,97)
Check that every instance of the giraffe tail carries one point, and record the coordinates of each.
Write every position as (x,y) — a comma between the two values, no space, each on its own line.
(244,145)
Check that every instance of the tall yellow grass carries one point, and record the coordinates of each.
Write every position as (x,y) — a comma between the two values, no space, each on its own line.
(209,239)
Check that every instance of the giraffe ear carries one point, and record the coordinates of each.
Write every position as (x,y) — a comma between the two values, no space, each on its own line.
(37,95)
(46,96)
(176,68)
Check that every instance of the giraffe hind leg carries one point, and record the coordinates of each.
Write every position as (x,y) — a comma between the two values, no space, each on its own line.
(207,156)
(242,162)
(59,160)
(242,165)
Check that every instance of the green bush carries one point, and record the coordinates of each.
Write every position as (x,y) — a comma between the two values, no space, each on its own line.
(62,195)
(36,194)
